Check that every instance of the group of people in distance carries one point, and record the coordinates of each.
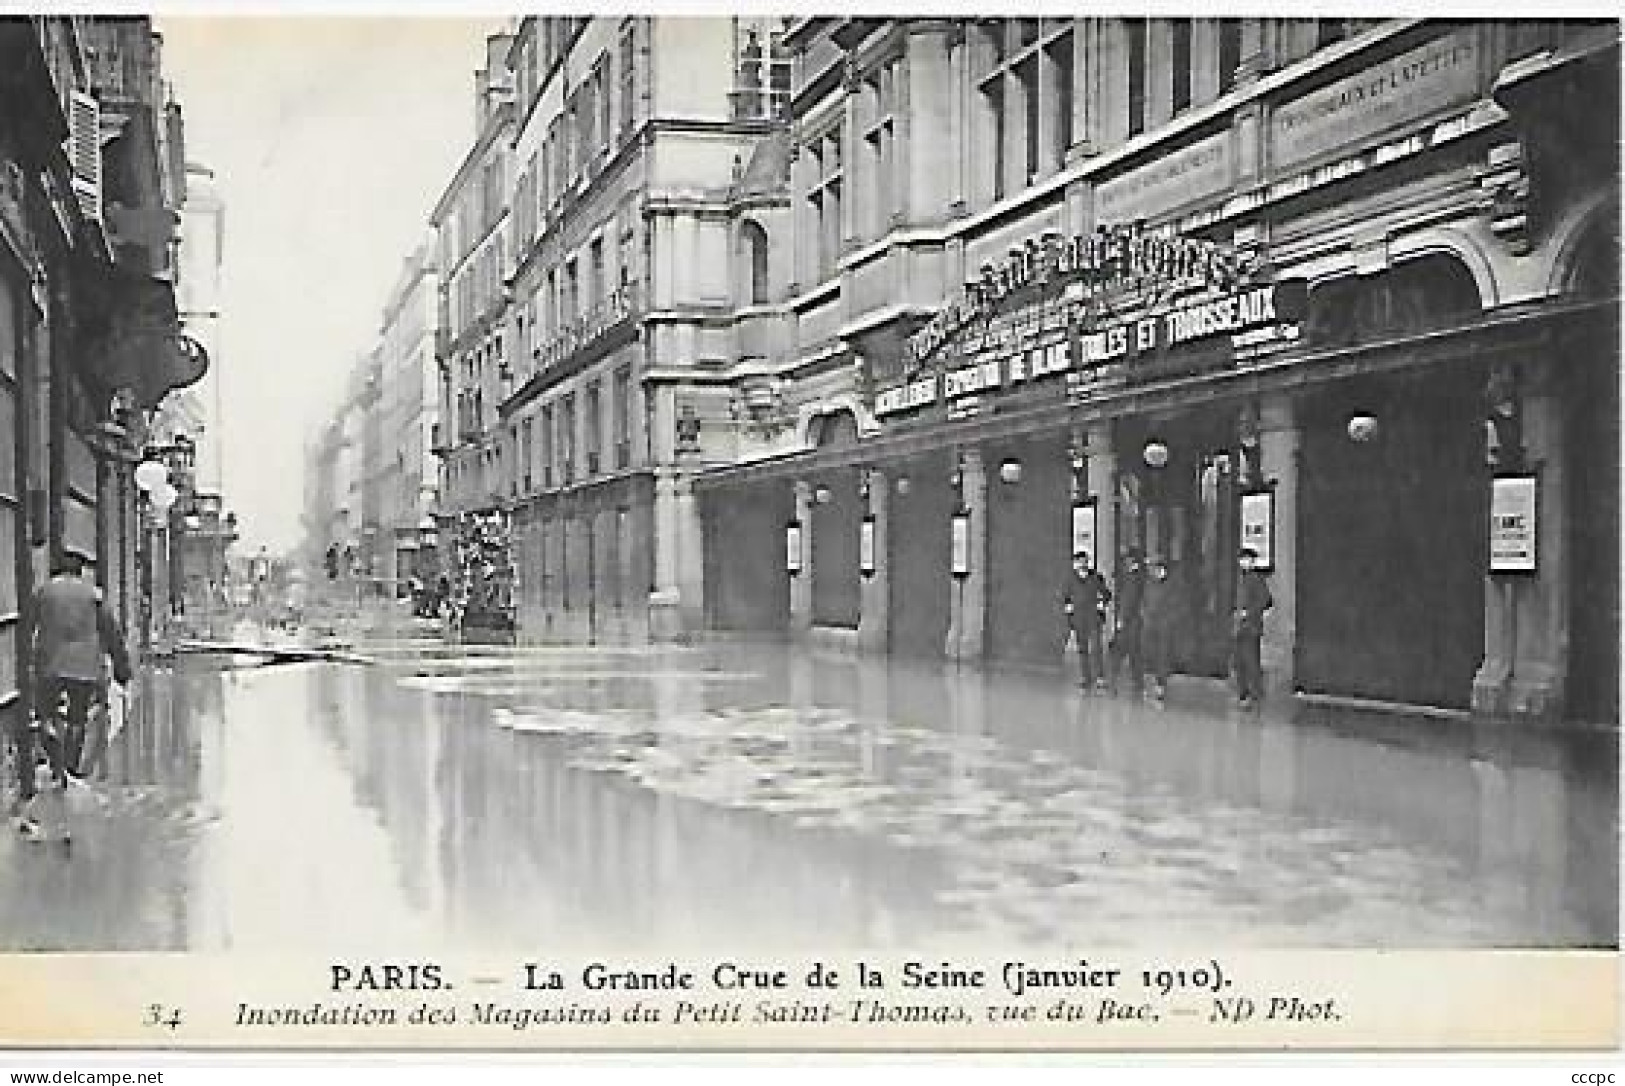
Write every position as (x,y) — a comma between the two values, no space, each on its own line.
(1148,617)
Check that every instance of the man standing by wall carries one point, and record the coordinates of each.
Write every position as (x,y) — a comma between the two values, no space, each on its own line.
(1252,600)
(1084,601)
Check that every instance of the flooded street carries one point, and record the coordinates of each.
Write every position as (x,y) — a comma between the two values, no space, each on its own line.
(761,796)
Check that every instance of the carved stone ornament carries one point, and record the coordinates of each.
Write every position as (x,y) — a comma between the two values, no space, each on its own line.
(688,429)
(1505,184)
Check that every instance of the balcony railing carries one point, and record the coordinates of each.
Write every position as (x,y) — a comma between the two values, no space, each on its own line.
(622,305)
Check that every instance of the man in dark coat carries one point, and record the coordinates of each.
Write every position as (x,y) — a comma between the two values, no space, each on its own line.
(1125,646)
(74,633)
(1252,600)
(1157,624)
(1084,601)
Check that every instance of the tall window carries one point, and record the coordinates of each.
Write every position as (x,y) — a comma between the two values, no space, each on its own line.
(880,146)
(511,456)
(1023,75)
(753,251)
(621,414)
(571,302)
(547,447)
(824,202)
(1134,30)
(592,405)
(629,75)
(527,454)
(1180,64)
(1229,53)
(606,103)
(599,284)
(567,424)
(1059,54)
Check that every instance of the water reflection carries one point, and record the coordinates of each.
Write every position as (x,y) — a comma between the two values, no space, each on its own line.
(756,796)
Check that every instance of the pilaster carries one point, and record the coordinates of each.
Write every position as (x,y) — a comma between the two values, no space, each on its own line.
(874,608)
(1279,441)
(801,611)
(967,623)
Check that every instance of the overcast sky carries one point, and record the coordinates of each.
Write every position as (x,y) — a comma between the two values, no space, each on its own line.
(331,139)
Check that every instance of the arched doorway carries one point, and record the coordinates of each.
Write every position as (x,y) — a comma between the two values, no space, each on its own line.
(1392,546)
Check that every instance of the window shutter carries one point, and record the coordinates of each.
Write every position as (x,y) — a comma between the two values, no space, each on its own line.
(85,153)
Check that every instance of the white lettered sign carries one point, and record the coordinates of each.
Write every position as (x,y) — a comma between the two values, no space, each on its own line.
(1083,530)
(1258,527)
(1512,524)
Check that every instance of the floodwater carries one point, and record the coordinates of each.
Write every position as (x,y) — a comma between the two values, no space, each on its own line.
(760,796)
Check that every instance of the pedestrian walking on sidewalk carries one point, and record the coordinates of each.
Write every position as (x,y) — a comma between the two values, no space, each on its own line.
(1157,624)
(1083,602)
(74,633)
(1252,600)
(1125,646)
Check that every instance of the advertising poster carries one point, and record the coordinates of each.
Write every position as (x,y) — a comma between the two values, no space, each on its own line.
(1513,524)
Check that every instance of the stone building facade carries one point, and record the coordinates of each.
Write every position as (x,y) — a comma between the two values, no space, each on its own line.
(1345,289)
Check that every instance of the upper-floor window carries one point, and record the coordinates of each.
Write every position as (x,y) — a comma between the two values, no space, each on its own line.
(762,69)
(629,76)
(592,423)
(1330,31)
(567,424)
(546,443)
(621,414)
(1229,53)
(1179,64)
(1023,73)
(598,275)
(885,186)
(753,253)
(1134,31)
(606,102)
(527,454)
(824,202)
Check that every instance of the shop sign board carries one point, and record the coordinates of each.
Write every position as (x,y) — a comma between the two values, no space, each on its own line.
(1513,522)
(866,545)
(1258,527)
(1404,89)
(1174,179)
(1243,316)
(1112,260)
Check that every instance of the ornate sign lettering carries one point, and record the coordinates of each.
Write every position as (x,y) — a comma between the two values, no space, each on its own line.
(1114,260)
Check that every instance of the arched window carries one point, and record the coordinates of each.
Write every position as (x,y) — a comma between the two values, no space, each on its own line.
(753,255)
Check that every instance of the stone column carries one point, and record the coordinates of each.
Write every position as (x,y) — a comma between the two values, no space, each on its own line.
(967,623)
(690,573)
(665,621)
(801,609)
(1526,616)
(874,610)
(1279,441)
